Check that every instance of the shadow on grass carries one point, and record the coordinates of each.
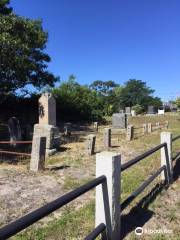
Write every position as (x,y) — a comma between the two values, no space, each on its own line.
(56,168)
(115,146)
(13,159)
(63,149)
(176,170)
(140,214)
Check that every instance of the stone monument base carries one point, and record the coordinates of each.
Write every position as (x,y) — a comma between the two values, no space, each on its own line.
(52,136)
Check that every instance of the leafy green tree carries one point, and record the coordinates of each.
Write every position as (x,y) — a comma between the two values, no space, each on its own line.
(177,102)
(103,87)
(116,96)
(106,91)
(23,60)
(137,92)
(76,102)
(138,109)
(4,9)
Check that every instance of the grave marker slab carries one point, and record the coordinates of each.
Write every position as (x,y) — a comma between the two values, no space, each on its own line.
(151,110)
(119,120)
(14,130)
(128,110)
(161,111)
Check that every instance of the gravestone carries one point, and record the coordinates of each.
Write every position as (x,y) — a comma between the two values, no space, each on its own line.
(151,110)
(133,113)
(67,129)
(161,111)
(14,130)
(47,123)
(119,120)
(128,110)
(47,109)
(121,110)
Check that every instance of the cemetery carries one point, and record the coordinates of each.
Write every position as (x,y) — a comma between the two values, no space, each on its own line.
(61,160)
(94,154)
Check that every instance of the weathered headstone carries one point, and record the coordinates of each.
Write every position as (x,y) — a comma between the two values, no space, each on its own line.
(47,123)
(47,109)
(133,113)
(151,110)
(14,130)
(67,129)
(90,144)
(119,120)
(128,110)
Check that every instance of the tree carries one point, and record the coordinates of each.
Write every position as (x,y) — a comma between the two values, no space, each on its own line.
(177,102)
(3,7)
(137,92)
(103,87)
(106,91)
(23,60)
(138,109)
(77,102)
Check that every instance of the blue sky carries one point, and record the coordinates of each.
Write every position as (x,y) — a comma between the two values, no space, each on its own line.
(112,40)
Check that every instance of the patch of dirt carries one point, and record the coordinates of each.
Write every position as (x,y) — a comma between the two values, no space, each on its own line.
(21,192)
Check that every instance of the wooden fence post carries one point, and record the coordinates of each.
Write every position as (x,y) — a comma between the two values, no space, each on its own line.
(108,194)
(130,132)
(38,154)
(166,155)
(107,137)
